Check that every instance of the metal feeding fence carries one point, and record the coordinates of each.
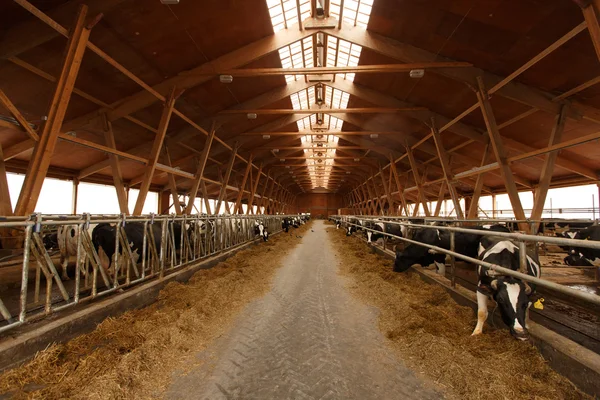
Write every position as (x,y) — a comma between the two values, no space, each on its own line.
(168,244)
(521,239)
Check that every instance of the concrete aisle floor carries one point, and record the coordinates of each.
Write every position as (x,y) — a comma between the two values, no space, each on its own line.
(308,338)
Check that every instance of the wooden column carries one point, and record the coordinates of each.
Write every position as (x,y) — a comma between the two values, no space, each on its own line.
(155,152)
(366,199)
(75,196)
(5,204)
(200,170)
(418,183)
(404,206)
(440,200)
(172,184)
(548,168)
(500,153)
(109,138)
(359,201)
(204,194)
(238,202)
(44,147)
(388,192)
(443,156)
(253,191)
(163,202)
(264,197)
(378,194)
(269,197)
(223,191)
(472,213)
(273,201)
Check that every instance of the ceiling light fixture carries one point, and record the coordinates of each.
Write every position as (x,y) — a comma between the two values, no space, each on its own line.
(417,73)
(266,137)
(251,115)
(225,78)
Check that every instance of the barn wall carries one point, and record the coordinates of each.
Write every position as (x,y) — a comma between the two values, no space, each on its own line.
(319,204)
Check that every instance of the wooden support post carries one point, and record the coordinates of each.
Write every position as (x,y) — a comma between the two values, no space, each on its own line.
(44,147)
(223,191)
(591,14)
(273,204)
(500,153)
(369,201)
(75,196)
(443,156)
(388,192)
(109,138)
(5,204)
(440,200)
(379,200)
(200,169)
(418,183)
(204,194)
(548,168)
(473,209)
(172,184)
(253,191)
(404,206)
(4,100)
(359,201)
(266,196)
(238,202)
(155,152)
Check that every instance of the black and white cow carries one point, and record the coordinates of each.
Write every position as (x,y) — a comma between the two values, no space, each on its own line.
(464,243)
(583,256)
(65,239)
(104,236)
(512,295)
(381,227)
(285,224)
(261,230)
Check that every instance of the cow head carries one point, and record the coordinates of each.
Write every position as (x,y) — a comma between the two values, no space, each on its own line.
(577,259)
(513,298)
(410,256)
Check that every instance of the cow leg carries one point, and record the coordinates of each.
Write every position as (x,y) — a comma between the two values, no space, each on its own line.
(64,263)
(482,313)
(527,316)
(369,233)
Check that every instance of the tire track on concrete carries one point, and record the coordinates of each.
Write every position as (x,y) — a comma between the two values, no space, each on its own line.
(306,339)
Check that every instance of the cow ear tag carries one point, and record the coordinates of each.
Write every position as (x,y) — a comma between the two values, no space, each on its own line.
(538,304)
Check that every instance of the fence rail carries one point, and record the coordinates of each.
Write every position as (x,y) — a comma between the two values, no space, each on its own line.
(518,237)
(181,241)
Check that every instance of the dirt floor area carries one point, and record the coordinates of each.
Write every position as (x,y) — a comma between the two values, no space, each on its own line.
(132,356)
(428,330)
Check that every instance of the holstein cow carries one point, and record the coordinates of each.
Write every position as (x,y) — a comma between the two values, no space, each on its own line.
(104,236)
(464,243)
(261,230)
(66,240)
(512,295)
(582,256)
(381,227)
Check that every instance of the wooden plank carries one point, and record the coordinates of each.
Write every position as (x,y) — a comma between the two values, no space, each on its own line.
(172,184)
(156,150)
(109,137)
(447,171)
(500,153)
(223,190)
(548,168)
(12,109)
(253,191)
(200,169)
(472,212)
(44,148)
(238,202)
(418,183)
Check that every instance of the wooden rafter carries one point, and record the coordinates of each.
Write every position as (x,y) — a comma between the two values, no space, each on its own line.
(44,148)
(472,211)
(223,190)
(238,202)
(172,185)
(117,175)
(418,183)
(200,169)
(254,186)
(12,109)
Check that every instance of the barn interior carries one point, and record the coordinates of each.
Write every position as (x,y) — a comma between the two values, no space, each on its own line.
(240,112)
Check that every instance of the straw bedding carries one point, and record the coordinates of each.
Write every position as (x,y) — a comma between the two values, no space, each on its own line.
(431,333)
(132,356)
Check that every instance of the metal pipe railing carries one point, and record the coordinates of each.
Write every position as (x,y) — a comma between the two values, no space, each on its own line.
(201,236)
(589,297)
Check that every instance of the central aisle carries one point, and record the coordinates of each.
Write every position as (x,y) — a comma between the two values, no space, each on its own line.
(306,339)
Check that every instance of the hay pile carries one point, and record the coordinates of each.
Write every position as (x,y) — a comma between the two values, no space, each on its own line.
(431,333)
(133,356)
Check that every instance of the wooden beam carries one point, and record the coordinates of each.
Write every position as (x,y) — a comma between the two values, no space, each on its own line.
(268,198)
(440,200)
(155,152)
(590,13)
(204,194)
(361,110)
(548,169)
(117,175)
(418,183)
(263,194)
(253,190)
(238,202)
(172,184)
(388,192)
(24,125)
(500,153)
(317,133)
(200,169)
(223,191)
(447,171)
(472,212)
(44,148)
(5,204)
(394,170)
(364,69)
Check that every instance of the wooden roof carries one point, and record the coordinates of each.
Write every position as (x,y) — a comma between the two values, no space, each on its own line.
(176,45)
